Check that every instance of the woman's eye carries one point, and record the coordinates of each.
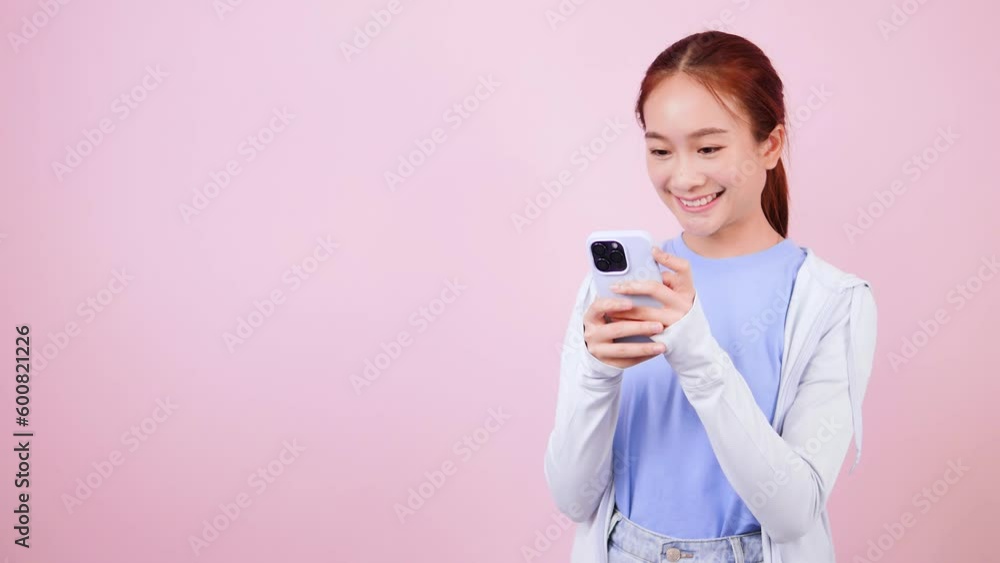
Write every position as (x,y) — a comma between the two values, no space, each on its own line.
(712,149)
(659,152)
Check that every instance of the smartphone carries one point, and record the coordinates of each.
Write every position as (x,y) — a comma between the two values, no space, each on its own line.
(624,255)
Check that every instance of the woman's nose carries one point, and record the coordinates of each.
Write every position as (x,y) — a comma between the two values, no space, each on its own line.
(685,178)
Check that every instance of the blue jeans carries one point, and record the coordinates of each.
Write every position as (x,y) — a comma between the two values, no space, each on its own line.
(629,542)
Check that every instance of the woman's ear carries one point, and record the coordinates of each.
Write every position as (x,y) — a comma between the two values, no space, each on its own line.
(772,146)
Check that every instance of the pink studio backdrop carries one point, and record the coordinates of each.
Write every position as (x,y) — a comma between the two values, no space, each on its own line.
(197,347)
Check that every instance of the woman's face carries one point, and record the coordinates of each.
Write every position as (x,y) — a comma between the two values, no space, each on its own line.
(695,148)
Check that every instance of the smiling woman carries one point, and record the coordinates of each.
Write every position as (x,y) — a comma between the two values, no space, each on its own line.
(732,430)
(708,151)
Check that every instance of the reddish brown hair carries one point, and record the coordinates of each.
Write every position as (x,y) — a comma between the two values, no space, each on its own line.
(734,66)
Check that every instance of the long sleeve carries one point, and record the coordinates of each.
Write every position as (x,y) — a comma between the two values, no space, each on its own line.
(785,479)
(578,464)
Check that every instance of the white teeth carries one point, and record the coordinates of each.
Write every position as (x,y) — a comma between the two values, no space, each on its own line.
(699,202)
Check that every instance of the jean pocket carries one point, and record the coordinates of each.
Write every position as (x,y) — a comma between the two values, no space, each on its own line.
(619,555)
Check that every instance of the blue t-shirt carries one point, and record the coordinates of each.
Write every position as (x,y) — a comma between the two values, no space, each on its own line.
(667,478)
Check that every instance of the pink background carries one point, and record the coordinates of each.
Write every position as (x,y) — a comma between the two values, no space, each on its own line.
(496,345)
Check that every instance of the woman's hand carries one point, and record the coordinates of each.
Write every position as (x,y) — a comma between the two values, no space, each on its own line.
(676,293)
(599,334)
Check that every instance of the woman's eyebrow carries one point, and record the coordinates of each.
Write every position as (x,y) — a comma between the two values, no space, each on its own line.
(699,133)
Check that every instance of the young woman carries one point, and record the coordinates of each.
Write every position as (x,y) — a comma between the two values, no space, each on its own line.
(721,440)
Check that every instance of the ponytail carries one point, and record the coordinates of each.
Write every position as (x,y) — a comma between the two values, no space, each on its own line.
(774,199)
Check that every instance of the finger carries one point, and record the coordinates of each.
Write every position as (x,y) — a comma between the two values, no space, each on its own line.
(657,290)
(611,331)
(627,349)
(636,287)
(672,280)
(679,265)
(678,274)
(638,313)
(595,313)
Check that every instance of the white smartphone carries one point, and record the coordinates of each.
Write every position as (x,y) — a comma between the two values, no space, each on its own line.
(623,255)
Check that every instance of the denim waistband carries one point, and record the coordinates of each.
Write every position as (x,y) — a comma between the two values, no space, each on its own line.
(649,546)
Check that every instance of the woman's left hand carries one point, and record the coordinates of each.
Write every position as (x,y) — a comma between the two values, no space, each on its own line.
(676,292)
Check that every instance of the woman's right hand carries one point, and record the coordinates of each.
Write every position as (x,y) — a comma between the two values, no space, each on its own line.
(599,334)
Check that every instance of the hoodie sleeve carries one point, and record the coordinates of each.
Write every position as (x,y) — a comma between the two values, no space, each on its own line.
(578,455)
(784,479)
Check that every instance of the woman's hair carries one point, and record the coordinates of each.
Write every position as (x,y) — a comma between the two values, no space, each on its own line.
(727,63)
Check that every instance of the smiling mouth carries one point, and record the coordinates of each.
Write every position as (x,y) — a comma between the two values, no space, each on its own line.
(702,202)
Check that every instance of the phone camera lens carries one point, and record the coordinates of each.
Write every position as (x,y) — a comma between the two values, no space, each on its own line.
(609,256)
